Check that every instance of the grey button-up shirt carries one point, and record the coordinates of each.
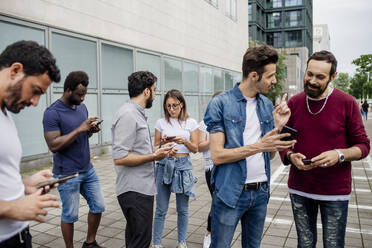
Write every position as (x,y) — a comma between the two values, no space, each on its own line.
(131,134)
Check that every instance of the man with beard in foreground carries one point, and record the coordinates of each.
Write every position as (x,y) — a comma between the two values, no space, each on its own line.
(331,135)
(134,158)
(26,71)
(67,129)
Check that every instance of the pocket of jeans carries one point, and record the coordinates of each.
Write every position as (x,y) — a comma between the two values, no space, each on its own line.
(264,188)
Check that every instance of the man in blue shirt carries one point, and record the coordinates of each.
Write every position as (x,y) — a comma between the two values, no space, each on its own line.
(242,142)
(66,131)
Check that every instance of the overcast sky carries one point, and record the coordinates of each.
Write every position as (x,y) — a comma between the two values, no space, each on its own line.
(350,27)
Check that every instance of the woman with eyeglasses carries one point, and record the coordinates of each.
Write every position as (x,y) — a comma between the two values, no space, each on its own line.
(174,174)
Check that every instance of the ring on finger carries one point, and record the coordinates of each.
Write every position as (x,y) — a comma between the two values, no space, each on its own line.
(325,165)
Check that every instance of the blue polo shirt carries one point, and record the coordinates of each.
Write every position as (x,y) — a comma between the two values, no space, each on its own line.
(76,157)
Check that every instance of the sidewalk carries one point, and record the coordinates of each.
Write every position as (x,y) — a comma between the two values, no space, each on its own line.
(279,229)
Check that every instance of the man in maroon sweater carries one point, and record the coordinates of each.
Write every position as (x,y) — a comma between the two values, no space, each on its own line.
(331,134)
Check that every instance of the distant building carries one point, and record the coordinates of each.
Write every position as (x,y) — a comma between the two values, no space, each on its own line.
(321,38)
(288,26)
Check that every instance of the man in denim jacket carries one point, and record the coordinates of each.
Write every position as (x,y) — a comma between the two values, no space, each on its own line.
(240,122)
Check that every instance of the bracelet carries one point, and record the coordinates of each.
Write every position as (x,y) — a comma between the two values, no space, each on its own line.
(185,141)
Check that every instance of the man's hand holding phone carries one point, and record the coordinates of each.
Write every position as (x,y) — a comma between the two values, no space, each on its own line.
(96,126)
(168,150)
(299,160)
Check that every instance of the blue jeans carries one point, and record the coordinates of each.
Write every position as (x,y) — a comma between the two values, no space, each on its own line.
(250,209)
(162,203)
(333,215)
(87,184)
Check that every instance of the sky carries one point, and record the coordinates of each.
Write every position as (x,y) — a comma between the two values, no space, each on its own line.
(350,27)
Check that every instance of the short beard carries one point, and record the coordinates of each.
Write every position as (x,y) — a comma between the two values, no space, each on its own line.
(15,94)
(149,101)
(313,93)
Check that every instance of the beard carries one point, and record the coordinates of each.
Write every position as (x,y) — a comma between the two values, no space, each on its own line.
(149,101)
(73,101)
(14,94)
(314,93)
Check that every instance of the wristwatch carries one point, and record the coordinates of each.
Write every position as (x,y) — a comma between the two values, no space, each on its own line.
(341,157)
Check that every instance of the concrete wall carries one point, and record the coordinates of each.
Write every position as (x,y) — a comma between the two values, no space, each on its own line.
(192,29)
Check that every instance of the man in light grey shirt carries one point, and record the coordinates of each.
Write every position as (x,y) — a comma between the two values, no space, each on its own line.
(134,158)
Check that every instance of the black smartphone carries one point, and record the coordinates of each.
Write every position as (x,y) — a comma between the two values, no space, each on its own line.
(306,161)
(57,180)
(170,137)
(290,130)
(99,122)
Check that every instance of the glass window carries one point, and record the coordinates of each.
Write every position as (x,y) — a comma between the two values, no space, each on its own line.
(274,20)
(293,38)
(274,3)
(154,113)
(30,132)
(206,80)
(190,77)
(231,9)
(293,2)
(172,74)
(111,103)
(229,80)
(204,101)
(30,129)
(117,65)
(75,54)
(218,80)
(250,17)
(293,18)
(274,39)
(192,104)
(151,63)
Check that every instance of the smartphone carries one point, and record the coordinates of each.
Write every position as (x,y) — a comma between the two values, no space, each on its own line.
(99,122)
(57,180)
(290,130)
(170,137)
(306,161)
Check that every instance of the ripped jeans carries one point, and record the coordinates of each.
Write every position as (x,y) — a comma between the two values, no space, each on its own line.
(333,215)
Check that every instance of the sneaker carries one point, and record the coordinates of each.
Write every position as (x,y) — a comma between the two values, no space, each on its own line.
(182,245)
(207,241)
(156,246)
(91,245)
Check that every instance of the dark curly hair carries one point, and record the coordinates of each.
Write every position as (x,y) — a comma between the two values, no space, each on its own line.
(36,59)
(75,78)
(139,81)
(255,59)
(325,56)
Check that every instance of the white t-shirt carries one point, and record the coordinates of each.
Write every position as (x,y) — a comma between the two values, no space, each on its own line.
(252,134)
(11,185)
(176,128)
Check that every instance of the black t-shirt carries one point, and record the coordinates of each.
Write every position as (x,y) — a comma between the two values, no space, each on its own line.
(365,107)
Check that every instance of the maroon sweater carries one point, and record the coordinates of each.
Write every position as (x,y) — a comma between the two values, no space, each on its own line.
(338,126)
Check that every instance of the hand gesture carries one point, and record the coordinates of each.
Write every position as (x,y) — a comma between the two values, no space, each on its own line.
(271,141)
(32,206)
(326,159)
(281,113)
(296,160)
(164,151)
(36,179)
(86,125)
(179,140)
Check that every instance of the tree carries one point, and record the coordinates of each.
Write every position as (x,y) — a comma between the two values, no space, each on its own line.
(281,74)
(342,81)
(357,86)
(361,85)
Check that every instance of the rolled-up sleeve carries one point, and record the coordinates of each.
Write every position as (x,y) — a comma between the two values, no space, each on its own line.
(213,117)
(123,135)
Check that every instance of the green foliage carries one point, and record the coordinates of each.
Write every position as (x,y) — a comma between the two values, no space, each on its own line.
(281,74)
(342,81)
(361,84)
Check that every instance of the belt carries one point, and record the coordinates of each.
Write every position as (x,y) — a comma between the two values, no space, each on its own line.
(17,239)
(253,186)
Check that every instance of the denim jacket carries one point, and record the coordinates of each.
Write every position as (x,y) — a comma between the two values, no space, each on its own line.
(227,113)
(178,174)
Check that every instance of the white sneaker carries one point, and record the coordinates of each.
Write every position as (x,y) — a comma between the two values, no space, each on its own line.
(207,241)
(182,245)
(157,246)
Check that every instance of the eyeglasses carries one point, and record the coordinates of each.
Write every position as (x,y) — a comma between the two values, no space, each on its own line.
(174,105)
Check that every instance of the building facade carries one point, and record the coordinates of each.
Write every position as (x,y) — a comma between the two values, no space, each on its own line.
(321,38)
(195,46)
